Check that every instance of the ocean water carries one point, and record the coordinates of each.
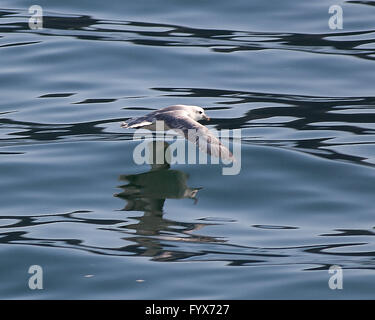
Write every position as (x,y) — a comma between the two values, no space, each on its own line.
(74,202)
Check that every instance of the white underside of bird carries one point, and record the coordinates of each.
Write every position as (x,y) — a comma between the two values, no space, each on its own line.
(184,120)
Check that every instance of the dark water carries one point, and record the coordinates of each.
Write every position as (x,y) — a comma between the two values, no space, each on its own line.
(302,94)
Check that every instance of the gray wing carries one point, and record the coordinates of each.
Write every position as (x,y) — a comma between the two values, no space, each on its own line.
(137,122)
(195,133)
(150,118)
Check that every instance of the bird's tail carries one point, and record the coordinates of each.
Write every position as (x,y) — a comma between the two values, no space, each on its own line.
(136,123)
(124,125)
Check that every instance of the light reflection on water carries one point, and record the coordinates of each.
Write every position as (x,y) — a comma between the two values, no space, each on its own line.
(302,202)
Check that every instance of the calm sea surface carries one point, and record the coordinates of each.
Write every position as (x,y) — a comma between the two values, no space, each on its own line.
(73,201)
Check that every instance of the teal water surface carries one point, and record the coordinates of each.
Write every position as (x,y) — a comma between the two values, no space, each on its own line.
(74,202)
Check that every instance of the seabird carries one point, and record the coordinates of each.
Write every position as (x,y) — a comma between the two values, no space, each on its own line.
(184,119)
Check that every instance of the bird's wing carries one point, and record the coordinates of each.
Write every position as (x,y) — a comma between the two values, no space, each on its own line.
(195,133)
(149,119)
(136,122)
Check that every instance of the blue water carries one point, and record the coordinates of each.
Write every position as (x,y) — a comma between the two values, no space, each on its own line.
(301,93)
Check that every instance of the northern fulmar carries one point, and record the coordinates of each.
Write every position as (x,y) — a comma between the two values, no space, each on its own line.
(184,120)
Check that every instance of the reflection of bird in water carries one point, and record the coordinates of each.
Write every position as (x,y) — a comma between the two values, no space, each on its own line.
(147,192)
(184,119)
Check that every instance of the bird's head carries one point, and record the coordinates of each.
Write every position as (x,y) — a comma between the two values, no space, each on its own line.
(197,113)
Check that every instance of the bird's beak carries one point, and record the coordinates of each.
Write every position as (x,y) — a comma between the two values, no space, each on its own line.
(206,118)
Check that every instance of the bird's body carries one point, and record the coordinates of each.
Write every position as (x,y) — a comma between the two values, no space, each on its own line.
(148,121)
(183,119)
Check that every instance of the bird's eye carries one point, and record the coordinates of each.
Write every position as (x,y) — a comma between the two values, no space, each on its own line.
(200,112)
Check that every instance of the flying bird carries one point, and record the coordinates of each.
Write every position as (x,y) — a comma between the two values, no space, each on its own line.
(184,119)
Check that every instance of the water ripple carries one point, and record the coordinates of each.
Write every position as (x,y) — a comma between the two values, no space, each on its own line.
(324,126)
(164,240)
(83,27)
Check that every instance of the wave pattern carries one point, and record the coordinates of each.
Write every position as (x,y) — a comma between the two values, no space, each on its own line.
(329,127)
(166,240)
(337,127)
(334,127)
(168,35)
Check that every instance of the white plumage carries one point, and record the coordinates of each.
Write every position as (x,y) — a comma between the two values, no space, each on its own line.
(184,119)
